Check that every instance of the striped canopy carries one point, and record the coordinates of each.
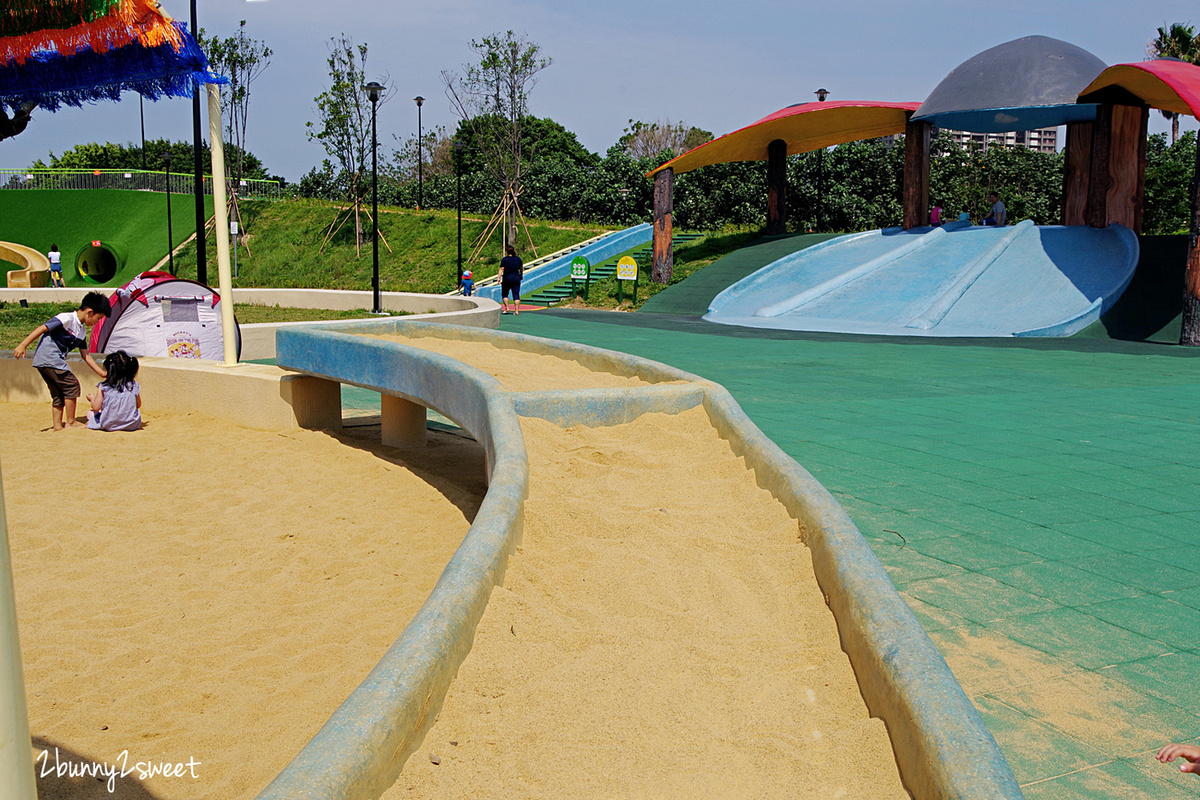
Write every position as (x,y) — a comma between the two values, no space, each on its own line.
(804,127)
(76,51)
(1166,84)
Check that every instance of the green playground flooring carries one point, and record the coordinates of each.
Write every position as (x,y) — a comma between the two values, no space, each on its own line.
(1037,503)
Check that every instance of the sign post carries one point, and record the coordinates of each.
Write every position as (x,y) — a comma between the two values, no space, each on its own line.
(627,270)
(581,270)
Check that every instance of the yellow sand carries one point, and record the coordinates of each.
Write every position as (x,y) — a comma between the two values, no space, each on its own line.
(519,370)
(659,634)
(196,590)
(206,592)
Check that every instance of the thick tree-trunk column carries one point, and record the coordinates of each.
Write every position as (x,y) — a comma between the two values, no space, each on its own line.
(1189,333)
(664,206)
(1095,213)
(916,173)
(1077,170)
(776,187)
(1126,165)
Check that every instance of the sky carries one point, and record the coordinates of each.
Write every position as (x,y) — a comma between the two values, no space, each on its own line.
(716,66)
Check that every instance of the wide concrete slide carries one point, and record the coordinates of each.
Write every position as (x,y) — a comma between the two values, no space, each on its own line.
(955,280)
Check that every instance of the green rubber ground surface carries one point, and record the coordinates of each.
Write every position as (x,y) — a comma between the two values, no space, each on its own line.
(1037,503)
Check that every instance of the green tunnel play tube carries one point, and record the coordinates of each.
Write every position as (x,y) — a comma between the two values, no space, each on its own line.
(100,261)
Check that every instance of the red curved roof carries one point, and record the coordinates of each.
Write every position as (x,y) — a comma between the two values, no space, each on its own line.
(1168,85)
(805,127)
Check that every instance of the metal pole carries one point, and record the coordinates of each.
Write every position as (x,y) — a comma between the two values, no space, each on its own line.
(458,176)
(374,207)
(198,175)
(420,156)
(142,112)
(16,768)
(170,237)
(221,228)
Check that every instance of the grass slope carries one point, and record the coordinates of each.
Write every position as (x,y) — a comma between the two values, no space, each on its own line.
(285,247)
(72,218)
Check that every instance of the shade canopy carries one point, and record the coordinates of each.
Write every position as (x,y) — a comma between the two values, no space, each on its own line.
(1166,84)
(76,51)
(803,127)
(1028,83)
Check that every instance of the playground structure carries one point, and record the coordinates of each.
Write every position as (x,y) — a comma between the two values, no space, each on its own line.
(1027,83)
(33,267)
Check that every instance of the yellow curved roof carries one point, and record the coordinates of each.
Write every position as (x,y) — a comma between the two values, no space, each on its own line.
(804,127)
(1165,84)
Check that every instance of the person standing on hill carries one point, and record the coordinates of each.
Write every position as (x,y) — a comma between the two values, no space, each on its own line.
(512,269)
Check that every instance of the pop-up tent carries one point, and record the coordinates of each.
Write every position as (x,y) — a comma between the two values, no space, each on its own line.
(157,314)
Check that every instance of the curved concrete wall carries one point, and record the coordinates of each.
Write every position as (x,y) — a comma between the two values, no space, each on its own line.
(942,747)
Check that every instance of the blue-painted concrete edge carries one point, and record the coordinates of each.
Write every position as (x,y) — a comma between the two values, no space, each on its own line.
(595,253)
(942,747)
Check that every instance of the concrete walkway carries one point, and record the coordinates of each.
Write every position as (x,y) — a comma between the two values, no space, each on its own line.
(1036,503)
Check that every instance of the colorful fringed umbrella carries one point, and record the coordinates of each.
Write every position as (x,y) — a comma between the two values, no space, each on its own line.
(77,51)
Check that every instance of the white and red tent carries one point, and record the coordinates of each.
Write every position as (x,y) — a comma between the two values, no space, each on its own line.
(157,314)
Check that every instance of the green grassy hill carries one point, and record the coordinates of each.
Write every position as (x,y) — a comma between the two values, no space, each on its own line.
(417,252)
(72,219)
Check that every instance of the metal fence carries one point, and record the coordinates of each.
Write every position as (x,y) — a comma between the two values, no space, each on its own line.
(133,179)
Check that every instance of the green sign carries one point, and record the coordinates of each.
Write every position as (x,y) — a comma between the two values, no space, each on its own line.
(627,269)
(579,268)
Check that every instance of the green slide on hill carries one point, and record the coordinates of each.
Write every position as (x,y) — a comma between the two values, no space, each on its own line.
(131,227)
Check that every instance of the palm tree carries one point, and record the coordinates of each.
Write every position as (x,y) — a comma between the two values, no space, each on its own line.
(1178,41)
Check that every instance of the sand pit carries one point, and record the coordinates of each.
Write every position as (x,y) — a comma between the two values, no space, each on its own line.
(520,370)
(202,591)
(667,642)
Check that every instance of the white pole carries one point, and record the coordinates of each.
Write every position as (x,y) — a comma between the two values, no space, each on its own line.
(16,758)
(221,228)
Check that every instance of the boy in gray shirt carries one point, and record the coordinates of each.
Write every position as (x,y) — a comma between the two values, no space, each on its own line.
(60,335)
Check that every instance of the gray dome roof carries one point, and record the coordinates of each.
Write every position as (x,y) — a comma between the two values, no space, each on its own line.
(1033,72)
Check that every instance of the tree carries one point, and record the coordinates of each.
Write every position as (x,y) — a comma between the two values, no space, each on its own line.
(1178,41)
(242,60)
(492,97)
(345,117)
(641,139)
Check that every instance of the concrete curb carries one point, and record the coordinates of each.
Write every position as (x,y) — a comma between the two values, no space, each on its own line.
(942,747)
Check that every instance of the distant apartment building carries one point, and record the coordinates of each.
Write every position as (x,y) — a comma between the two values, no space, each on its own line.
(1042,140)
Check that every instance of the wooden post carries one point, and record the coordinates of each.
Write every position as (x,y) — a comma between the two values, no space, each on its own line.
(917,137)
(1077,168)
(1126,165)
(1189,331)
(776,187)
(664,206)
(1095,212)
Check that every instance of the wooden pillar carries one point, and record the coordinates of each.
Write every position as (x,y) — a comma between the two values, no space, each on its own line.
(1189,332)
(1095,212)
(1127,165)
(1077,167)
(664,206)
(917,137)
(776,187)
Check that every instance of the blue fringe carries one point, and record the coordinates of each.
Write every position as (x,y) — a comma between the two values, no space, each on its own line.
(52,80)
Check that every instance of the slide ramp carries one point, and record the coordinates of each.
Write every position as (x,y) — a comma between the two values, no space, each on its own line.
(957,280)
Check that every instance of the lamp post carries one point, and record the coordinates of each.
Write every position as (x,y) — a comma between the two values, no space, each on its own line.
(170,237)
(374,88)
(821,95)
(198,174)
(420,158)
(458,148)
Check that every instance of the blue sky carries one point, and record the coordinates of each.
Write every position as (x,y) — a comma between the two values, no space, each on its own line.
(717,66)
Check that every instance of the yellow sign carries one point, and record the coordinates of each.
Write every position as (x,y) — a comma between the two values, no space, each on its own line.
(627,269)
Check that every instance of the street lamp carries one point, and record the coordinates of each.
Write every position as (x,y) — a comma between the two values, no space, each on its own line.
(374,88)
(458,148)
(170,238)
(420,159)
(821,95)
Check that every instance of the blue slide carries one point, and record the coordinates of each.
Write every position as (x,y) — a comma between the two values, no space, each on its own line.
(956,280)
